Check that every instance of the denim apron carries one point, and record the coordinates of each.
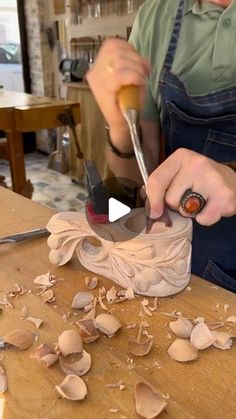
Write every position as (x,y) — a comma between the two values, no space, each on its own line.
(205,124)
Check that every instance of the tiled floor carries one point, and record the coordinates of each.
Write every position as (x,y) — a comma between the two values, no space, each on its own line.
(51,188)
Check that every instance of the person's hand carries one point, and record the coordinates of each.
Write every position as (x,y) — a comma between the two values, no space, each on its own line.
(117,65)
(186,169)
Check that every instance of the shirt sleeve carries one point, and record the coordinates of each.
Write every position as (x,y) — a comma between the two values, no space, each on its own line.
(150,110)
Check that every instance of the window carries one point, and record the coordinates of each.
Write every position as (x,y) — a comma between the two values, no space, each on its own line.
(9,33)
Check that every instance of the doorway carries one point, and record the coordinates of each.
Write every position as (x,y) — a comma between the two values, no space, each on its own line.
(14,62)
(11,70)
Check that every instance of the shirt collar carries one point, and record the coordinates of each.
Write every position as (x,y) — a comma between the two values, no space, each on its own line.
(191,6)
(205,7)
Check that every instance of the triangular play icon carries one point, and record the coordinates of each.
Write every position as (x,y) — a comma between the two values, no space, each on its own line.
(116,210)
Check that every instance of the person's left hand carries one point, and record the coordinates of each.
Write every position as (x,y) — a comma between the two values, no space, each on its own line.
(186,169)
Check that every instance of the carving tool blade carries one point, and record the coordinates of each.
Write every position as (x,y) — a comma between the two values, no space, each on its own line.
(128,99)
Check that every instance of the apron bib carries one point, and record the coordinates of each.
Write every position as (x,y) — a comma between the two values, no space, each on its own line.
(205,124)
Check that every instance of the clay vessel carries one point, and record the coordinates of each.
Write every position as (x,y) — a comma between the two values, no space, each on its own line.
(154,264)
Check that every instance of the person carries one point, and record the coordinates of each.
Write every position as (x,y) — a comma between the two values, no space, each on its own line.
(181,54)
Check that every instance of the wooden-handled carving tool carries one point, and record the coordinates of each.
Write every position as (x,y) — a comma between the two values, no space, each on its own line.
(128,99)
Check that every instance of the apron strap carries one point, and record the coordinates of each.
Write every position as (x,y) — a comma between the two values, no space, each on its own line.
(174,36)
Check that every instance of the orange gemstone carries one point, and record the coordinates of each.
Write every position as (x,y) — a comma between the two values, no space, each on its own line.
(192,205)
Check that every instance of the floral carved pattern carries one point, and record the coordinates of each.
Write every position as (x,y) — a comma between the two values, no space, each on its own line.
(156,264)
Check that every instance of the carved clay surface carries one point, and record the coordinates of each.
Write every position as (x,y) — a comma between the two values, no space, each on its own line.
(154,264)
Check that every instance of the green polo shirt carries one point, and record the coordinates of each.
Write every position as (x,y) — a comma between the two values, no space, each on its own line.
(205,59)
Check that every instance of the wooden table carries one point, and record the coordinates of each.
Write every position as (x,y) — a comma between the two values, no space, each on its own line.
(203,389)
(21,112)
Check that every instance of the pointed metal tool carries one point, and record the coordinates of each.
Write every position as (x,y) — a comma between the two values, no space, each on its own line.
(26,235)
(128,99)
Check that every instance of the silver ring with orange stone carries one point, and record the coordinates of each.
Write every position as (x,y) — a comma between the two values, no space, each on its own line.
(192,203)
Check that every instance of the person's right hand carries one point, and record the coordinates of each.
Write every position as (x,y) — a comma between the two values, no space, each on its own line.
(117,65)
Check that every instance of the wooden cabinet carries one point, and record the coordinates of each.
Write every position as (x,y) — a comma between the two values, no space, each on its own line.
(91,132)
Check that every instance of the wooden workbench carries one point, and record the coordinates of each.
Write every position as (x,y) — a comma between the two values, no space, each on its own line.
(203,389)
(21,112)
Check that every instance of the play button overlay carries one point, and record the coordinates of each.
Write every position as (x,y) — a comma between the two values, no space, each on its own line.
(116,210)
(112,205)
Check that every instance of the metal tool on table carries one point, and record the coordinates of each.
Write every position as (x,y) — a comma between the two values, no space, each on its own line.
(26,235)
(128,99)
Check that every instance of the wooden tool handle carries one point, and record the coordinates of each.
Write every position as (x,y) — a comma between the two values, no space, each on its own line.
(128,98)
